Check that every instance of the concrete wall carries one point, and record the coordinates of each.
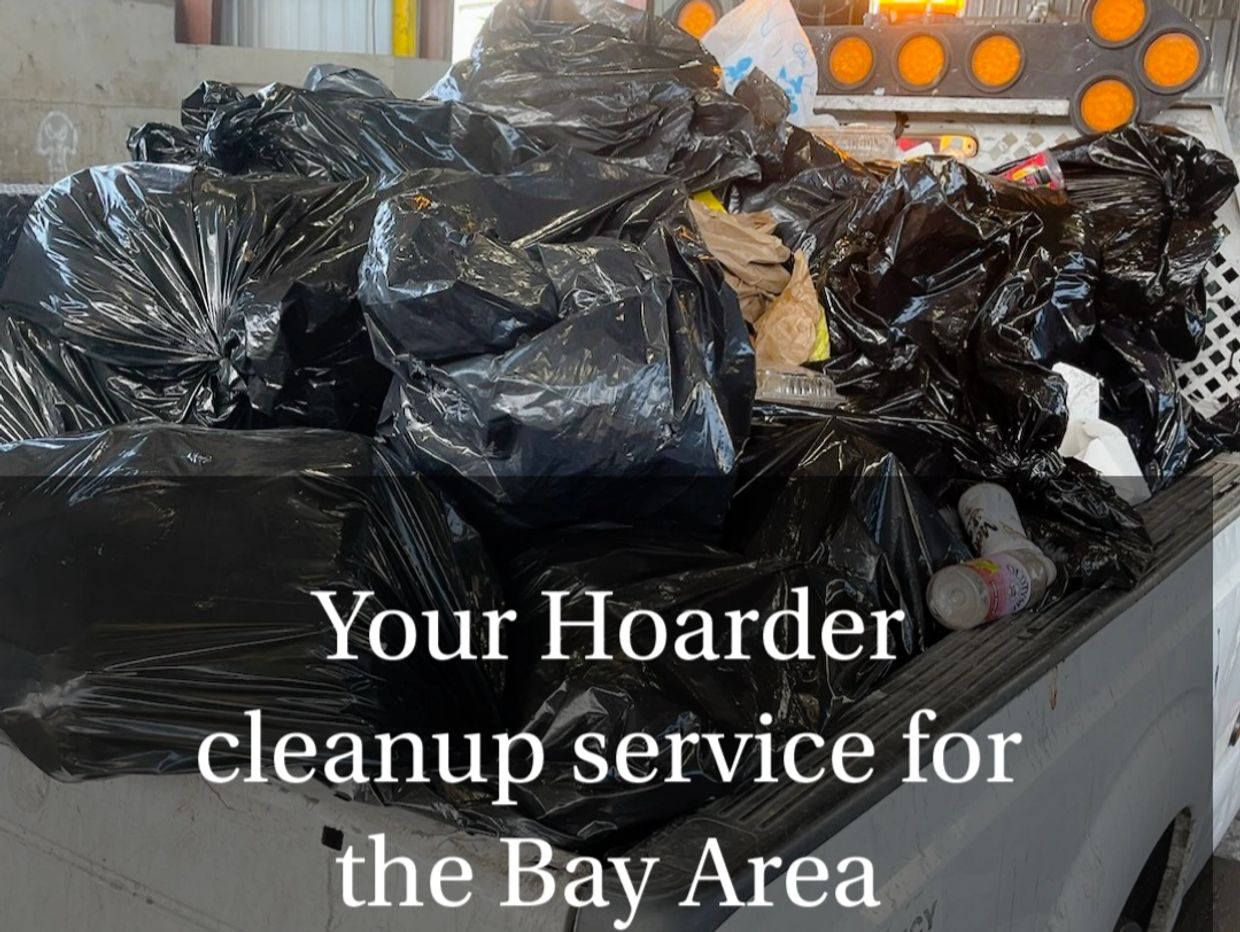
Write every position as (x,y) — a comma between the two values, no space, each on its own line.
(75,75)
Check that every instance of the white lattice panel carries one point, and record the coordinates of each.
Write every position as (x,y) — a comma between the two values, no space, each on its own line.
(1213,379)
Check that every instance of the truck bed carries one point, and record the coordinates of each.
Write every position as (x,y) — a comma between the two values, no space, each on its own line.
(78,856)
(966,679)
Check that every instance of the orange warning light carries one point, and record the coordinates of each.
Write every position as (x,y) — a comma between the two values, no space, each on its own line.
(1172,61)
(1118,22)
(850,61)
(922,62)
(1107,104)
(697,17)
(996,61)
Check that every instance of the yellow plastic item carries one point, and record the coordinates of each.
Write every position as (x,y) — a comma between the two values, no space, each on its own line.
(708,199)
(822,342)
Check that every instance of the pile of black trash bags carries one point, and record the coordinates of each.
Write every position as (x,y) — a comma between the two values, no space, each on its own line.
(463,350)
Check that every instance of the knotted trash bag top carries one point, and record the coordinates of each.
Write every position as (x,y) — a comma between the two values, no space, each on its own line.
(950,295)
(179,145)
(206,299)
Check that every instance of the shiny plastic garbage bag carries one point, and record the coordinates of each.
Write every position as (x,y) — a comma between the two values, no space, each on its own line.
(818,489)
(329,77)
(824,501)
(950,295)
(815,186)
(157,586)
(14,208)
(1078,520)
(1151,194)
(560,700)
(1095,538)
(338,135)
(1141,396)
(331,130)
(205,299)
(565,349)
(46,387)
(612,81)
(178,145)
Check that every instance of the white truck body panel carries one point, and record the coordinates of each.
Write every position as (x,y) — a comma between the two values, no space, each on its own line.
(1226,684)
(236,858)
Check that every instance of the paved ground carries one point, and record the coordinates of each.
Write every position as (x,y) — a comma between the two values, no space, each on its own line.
(1213,905)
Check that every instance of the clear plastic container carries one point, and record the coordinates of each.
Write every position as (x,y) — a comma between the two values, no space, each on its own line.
(802,387)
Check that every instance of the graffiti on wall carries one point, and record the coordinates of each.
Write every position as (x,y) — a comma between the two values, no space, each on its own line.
(57,141)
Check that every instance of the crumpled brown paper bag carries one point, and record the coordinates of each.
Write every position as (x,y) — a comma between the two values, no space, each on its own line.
(753,258)
(788,332)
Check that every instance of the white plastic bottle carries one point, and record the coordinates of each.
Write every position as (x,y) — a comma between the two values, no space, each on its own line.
(970,594)
(991,520)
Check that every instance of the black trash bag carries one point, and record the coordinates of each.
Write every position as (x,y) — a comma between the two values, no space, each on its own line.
(816,186)
(205,299)
(614,82)
(1216,434)
(559,701)
(15,206)
(949,296)
(1078,520)
(46,387)
(329,77)
(1151,194)
(163,144)
(159,586)
(1096,538)
(770,105)
(336,135)
(178,145)
(1141,396)
(564,345)
(818,489)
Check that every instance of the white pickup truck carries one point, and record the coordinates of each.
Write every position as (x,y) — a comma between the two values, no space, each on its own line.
(1127,778)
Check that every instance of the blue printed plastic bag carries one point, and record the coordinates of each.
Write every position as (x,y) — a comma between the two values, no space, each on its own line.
(766,34)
